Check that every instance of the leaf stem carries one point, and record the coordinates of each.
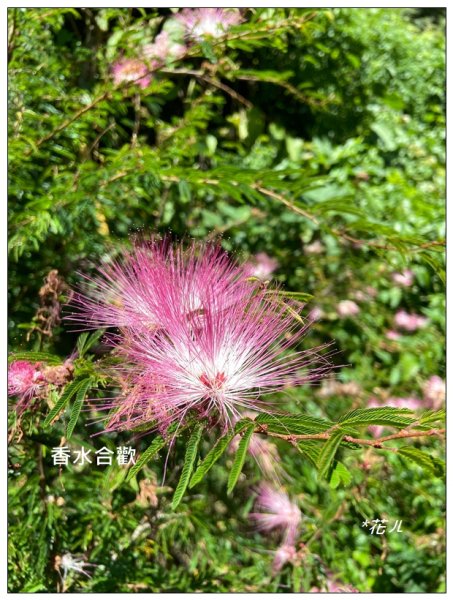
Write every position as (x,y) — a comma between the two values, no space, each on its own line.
(376,443)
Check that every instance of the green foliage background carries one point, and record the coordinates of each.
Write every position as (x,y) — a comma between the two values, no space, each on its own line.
(299,126)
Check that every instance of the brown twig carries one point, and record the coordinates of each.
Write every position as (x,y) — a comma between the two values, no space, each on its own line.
(137,108)
(212,81)
(337,232)
(291,89)
(70,120)
(376,443)
(283,200)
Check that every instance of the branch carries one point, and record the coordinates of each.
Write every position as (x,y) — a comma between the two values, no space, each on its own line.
(341,234)
(286,202)
(291,89)
(212,81)
(69,121)
(105,96)
(376,443)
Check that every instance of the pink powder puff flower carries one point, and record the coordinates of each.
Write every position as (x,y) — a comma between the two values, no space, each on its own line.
(31,381)
(195,336)
(360,296)
(434,392)
(284,554)
(277,512)
(202,22)
(222,361)
(347,308)
(261,266)
(409,321)
(164,49)
(404,279)
(332,387)
(25,381)
(131,70)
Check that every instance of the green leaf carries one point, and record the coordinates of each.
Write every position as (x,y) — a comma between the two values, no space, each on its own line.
(433,417)
(434,465)
(340,474)
(239,458)
(51,359)
(302,296)
(310,449)
(328,452)
(385,415)
(86,341)
(297,424)
(68,393)
(189,461)
(216,452)
(77,406)
(208,51)
(157,444)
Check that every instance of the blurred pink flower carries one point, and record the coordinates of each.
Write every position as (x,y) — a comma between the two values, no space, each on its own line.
(332,387)
(30,381)
(264,452)
(202,22)
(347,308)
(434,392)
(371,291)
(284,554)
(261,266)
(391,334)
(404,279)
(276,511)
(315,314)
(365,295)
(315,247)
(164,48)
(25,381)
(411,403)
(131,69)
(409,321)
(360,296)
